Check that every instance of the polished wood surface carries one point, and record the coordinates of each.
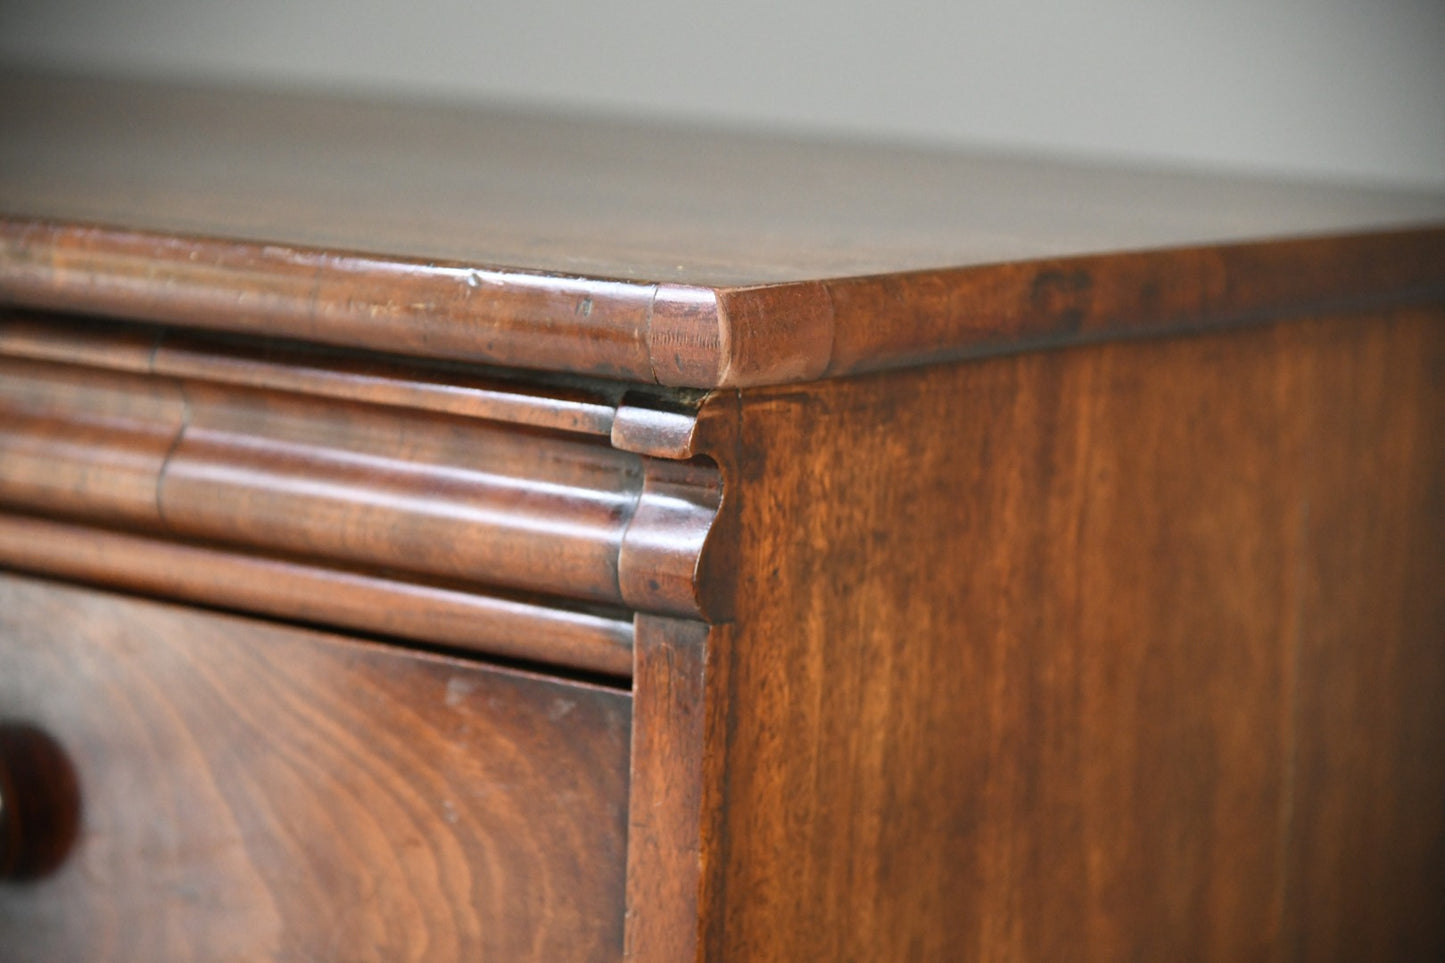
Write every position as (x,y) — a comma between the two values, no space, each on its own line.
(899,554)
(253,792)
(410,472)
(605,198)
(680,257)
(1123,652)
(672,791)
(453,617)
(308,369)
(433,496)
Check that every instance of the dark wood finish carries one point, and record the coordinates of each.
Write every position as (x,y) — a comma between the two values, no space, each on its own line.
(39,803)
(90,444)
(684,257)
(1125,652)
(937,316)
(604,198)
(588,641)
(439,497)
(252,792)
(459,500)
(1364,873)
(419,306)
(666,835)
(468,500)
(96,344)
(1131,648)
(657,422)
(664,549)
(305,369)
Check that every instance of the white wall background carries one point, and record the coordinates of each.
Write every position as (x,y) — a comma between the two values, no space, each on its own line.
(1320,88)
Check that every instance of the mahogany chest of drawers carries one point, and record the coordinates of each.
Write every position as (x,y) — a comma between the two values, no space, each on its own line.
(438,534)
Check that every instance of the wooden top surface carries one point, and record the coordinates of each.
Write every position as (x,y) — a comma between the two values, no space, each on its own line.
(867,256)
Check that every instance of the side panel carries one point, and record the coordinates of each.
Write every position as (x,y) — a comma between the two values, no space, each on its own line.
(1132,651)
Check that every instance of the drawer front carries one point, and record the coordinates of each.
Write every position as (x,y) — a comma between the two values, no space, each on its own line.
(249,791)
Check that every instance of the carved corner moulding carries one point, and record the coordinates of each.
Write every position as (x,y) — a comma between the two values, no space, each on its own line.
(442,504)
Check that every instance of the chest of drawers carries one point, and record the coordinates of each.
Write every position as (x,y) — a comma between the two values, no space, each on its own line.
(440,534)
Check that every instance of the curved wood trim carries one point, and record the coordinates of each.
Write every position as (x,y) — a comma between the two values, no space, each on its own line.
(456,311)
(382,488)
(299,592)
(583,408)
(85,443)
(664,544)
(439,497)
(448,498)
(699,336)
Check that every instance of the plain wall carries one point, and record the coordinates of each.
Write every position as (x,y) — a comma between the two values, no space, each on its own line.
(1331,88)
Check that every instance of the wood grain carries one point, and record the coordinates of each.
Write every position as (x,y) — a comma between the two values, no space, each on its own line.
(313,370)
(662,563)
(85,443)
(385,488)
(688,258)
(1129,649)
(672,794)
(457,499)
(603,197)
(366,485)
(1368,698)
(931,316)
(1124,652)
(455,310)
(253,792)
(436,615)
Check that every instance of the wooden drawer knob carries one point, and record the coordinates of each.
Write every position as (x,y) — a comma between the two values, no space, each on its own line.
(39,803)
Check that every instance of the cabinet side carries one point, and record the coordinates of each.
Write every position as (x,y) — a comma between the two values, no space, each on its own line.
(1125,651)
